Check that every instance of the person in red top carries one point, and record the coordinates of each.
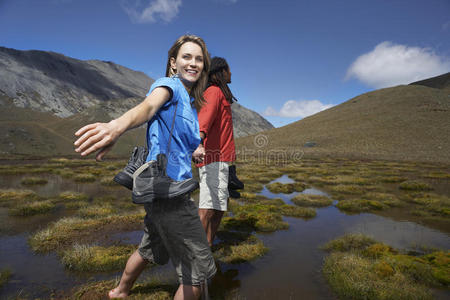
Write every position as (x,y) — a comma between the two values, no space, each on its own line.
(217,147)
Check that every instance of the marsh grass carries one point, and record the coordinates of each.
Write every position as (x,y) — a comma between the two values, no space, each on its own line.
(97,211)
(431,202)
(361,268)
(360,205)
(14,197)
(108,181)
(5,275)
(297,212)
(70,230)
(33,181)
(286,188)
(73,196)
(84,178)
(415,185)
(311,200)
(153,290)
(32,208)
(88,258)
(240,252)
(259,217)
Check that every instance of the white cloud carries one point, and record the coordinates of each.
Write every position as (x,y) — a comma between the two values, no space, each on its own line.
(296,109)
(391,64)
(150,11)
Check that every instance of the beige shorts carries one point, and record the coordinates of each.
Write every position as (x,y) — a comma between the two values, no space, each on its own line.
(214,186)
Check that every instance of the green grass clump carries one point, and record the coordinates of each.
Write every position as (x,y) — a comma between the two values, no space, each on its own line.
(5,275)
(11,197)
(391,179)
(33,181)
(152,290)
(108,181)
(70,230)
(298,212)
(360,205)
(84,178)
(259,217)
(87,258)
(415,185)
(349,189)
(287,188)
(73,196)
(354,277)
(385,198)
(311,200)
(430,202)
(32,208)
(349,242)
(242,252)
(65,172)
(361,268)
(96,211)
(253,186)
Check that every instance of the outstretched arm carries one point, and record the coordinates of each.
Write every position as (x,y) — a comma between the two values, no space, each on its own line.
(102,136)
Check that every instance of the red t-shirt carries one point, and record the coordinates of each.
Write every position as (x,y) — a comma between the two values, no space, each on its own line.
(216,122)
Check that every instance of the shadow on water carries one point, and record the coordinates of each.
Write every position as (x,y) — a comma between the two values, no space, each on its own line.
(290,270)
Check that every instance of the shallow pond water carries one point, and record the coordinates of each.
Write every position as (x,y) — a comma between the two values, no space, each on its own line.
(290,270)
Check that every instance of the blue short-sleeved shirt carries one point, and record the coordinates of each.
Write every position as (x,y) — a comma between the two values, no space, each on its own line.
(186,133)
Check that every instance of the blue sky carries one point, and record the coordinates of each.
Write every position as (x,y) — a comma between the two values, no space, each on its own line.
(289,59)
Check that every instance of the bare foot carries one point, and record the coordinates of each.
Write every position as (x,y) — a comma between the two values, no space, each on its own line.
(116,293)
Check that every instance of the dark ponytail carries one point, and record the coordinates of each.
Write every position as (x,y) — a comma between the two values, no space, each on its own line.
(217,77)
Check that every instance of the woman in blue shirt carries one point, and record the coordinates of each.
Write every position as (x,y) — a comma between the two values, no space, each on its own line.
(173,229)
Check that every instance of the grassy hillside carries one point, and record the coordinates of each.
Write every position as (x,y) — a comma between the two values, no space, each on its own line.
(400,123)
(26,132)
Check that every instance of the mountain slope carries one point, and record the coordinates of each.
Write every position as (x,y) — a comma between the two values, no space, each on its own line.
(400,123)
(48,81)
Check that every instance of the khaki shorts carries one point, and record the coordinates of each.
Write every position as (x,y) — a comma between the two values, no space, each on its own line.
(214,186)
(173,230)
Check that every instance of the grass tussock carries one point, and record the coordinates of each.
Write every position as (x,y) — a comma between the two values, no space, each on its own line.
(87,258)
(308,200)
(32,208)
(108,181)
(5,275)
(97,211)
(298,212)
(431,203)
(12,197)
(360,205)
(73,196)
(71,230)
(415,185)
(241,252)
(84,178)
(287,188)
(361,268)
(152,290)
(33,181)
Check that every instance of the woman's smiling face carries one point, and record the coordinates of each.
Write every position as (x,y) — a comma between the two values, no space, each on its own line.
(188,63)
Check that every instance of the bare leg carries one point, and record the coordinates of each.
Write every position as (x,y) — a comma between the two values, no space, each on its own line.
(205,217)
(215,223)
(187,292)
(135,265)
(210,219)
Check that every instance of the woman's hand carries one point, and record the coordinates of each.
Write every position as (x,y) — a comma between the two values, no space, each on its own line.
(97,137)
(199,154)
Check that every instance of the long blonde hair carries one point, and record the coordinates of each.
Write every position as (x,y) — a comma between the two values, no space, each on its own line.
(199,87)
